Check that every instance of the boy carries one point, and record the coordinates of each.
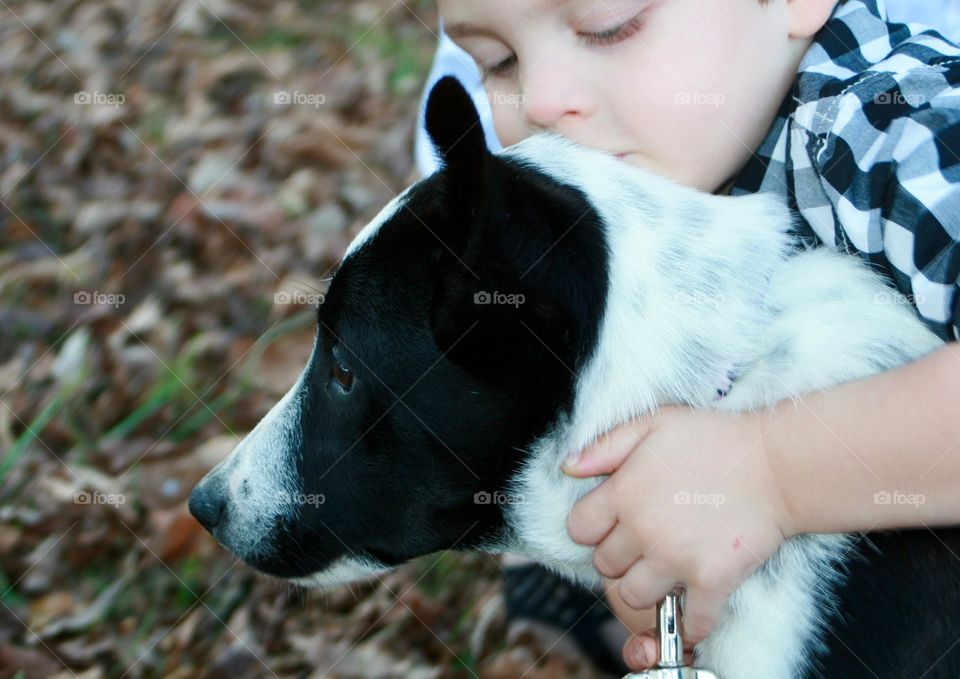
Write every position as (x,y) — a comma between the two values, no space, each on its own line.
(854,121)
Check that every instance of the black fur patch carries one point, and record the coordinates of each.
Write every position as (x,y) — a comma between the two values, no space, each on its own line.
(449,386)
(897,611)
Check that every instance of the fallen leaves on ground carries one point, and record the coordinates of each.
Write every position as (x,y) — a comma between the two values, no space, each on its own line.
(173,197)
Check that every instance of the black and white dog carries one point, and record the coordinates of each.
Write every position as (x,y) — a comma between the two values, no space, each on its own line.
(514,306)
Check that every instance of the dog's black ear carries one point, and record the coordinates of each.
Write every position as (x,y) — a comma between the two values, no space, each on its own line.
(454,127)
(494,304)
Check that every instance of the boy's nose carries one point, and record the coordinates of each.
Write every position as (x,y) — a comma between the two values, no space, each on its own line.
(550,99)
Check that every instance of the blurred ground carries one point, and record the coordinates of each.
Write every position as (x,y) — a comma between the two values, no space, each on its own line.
(177,181)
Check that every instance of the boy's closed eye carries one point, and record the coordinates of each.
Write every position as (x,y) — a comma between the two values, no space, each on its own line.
(616,31)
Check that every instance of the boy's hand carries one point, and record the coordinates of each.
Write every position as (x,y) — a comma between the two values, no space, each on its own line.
(691,499)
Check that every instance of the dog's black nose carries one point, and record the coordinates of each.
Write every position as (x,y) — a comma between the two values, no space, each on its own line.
(206,504)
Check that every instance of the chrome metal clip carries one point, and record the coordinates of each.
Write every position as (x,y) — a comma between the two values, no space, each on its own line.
(670,666)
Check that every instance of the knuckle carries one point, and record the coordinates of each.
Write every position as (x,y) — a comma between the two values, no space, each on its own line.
(707,578)
(601,565)
(629,597)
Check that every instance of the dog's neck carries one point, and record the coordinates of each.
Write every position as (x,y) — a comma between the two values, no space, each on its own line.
(688,274)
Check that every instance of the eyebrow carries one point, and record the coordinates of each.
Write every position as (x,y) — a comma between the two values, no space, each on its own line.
(462,29)
(459,30)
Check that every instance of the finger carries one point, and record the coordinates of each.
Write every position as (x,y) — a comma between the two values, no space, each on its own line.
(644,586)
(702,607)
(643,651)
(607,453)
(593,516)
(616,552)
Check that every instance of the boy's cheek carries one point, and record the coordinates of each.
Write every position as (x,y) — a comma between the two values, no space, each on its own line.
(508,120)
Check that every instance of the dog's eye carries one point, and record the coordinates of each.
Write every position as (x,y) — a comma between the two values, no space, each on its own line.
(342,375)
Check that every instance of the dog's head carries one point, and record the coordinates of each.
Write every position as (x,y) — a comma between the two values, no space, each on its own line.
(447,343)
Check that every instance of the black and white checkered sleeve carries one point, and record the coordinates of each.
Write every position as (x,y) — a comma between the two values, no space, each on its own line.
(892,172)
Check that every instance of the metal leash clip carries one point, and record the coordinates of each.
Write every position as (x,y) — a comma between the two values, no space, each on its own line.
(671,666)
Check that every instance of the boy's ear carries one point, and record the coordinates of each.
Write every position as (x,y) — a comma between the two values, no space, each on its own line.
(808,16)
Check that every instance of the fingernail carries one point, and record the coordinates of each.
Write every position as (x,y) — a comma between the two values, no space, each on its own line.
(572,459)
(641,655)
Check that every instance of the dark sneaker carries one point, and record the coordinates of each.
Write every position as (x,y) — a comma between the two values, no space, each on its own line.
(533,592)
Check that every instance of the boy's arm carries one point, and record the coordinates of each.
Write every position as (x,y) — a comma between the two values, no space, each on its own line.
(881,452)
(884,452)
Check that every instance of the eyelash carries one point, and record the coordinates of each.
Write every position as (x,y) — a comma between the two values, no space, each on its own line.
(611,36)
(616,34)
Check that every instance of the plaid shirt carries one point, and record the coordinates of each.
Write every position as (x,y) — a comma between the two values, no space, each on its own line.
(866,149)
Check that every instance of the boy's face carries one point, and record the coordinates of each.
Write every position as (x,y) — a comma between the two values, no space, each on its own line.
(687,88)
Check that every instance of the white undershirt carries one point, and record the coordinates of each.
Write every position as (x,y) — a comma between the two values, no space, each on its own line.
(944,15)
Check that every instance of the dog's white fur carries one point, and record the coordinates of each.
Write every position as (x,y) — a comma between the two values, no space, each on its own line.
(700,283)
(260,474)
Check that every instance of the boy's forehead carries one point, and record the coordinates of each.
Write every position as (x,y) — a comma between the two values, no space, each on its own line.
(461,15)
(544,5)
(468,17)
